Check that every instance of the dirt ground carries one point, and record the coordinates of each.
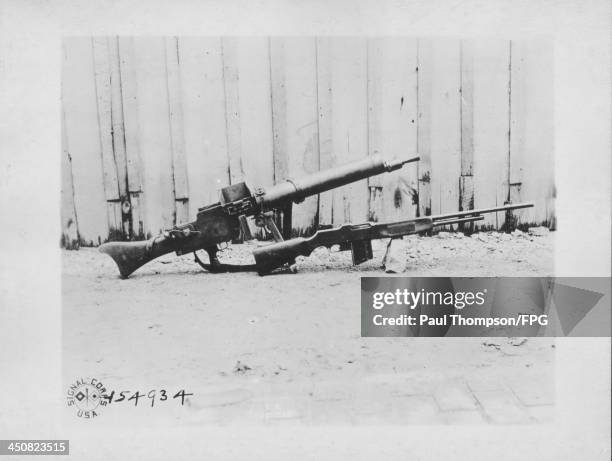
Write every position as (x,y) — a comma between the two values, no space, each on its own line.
(286,348)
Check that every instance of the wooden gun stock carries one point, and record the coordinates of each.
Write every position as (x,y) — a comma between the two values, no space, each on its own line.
(130,256)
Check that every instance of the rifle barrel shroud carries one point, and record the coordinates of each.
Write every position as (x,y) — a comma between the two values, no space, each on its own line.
(220,222)
(297,190)
(358,238)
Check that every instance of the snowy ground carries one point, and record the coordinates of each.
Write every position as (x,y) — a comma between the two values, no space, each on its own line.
(286,348)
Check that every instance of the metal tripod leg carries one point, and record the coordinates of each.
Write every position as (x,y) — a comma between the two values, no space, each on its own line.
(287,221)
(271,226)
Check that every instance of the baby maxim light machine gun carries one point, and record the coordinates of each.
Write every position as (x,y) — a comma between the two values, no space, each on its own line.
(225,220)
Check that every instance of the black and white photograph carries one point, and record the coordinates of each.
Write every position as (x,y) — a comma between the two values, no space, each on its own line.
(251,154)
(310,230)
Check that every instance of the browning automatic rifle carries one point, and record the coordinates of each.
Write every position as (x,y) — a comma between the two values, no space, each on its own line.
(358,237)
(225,220)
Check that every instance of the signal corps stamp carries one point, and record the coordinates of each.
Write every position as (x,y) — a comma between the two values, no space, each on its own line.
(88,395)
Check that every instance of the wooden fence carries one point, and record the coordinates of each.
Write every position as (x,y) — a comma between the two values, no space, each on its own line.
(153,127)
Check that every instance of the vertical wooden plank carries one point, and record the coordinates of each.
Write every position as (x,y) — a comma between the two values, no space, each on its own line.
(232,108)
(517,130)
(204,119)
(491,122)
(466,184)
(255,111)
(118,137)
(129,101)
(154,133)
(249,58)
(79,105)
(392,127)
(531,130)
(324,125)
(439,69)
(112,178)
(70,232)
(375,73)
(103,93)
(278,94)
(279,109)
(349,123)
(424,98)
(294,97)
(177,138)
(117,133)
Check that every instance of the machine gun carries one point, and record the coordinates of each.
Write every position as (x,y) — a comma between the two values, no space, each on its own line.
(358,237)
(225,220)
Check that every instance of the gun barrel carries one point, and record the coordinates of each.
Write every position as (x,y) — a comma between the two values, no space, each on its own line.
(446,222)
(461,214)
(297,190)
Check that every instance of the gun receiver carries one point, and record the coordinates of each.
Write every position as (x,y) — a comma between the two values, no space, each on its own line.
(358,238)
(225,221)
